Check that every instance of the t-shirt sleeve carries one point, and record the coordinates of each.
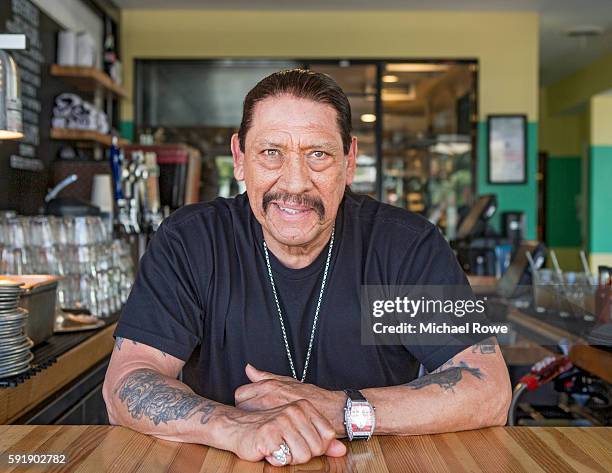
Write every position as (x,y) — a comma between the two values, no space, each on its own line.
(431,262)
(164,309)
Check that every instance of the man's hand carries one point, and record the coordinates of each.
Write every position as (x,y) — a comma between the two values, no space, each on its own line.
(256,435)
(268,390)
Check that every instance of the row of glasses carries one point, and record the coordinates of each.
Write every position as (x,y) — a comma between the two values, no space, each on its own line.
(578,293)
(32,245)
(97,271)
(84,285)
(568,294)
(15,251)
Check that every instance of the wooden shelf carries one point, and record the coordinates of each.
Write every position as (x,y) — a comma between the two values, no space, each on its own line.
(88,79)
(91,136)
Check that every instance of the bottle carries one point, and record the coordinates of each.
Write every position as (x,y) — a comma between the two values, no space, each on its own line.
(115,163)
(603,295)
(110,56)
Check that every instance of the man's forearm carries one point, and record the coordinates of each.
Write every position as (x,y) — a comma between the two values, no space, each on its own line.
(444,401)
(456,398)
(149,402)
(470,391)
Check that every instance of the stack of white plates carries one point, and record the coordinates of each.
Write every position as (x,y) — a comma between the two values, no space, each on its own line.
(15,354)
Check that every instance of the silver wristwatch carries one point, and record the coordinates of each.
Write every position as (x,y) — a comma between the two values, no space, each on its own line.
(359,416)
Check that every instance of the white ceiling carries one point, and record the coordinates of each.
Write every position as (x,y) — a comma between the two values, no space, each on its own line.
(559,54)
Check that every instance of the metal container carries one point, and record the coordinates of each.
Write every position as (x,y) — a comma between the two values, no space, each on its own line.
(38,298)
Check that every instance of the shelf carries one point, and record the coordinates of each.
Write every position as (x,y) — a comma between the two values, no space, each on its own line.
(88,79)
(91,136)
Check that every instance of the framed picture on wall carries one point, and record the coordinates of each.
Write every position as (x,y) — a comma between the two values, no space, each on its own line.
(507,145)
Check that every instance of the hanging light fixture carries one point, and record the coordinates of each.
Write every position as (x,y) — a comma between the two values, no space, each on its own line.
(11,125)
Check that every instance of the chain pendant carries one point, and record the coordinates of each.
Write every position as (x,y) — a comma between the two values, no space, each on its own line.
(316,317)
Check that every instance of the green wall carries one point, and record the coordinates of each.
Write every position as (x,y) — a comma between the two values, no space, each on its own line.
(511,197)
(563,182)
(600,210)
(126,130)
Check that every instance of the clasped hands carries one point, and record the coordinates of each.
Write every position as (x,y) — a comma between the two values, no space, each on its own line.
(280,409)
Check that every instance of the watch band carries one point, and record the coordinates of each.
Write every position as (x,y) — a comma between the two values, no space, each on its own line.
(354,395)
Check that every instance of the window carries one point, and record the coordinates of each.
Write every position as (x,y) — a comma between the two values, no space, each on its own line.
(415,122)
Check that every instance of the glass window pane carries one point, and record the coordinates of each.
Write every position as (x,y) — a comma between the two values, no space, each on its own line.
(427,139)
(359,83)
(197,93)
(200,103)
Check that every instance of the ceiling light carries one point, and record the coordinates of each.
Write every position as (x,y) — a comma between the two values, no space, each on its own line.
(11,126)
(10,135)
(450,149)
(368,118)
(390,78)
(585,31)
(417,67)
(390,96)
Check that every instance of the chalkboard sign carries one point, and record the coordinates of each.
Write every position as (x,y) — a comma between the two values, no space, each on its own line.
(25,164)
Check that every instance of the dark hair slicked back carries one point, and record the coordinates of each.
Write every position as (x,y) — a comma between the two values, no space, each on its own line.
(303,84)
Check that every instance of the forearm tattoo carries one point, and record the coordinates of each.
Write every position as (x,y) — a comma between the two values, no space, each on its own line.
(447,378)
(206,409)
(146,394)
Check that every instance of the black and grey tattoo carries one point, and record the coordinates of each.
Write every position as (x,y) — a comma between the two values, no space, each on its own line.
(446,379)
(146,393)
(486,347)
(119,342)
(206,409)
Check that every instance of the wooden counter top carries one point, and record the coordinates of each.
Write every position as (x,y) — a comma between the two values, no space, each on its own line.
(116,449)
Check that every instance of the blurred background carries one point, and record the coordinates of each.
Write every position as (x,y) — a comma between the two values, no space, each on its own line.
(422,83)
(491,118)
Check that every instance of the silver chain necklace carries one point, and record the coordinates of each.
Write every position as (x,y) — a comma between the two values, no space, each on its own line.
(316,317)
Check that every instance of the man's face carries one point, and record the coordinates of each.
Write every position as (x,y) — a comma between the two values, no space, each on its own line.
(294,167)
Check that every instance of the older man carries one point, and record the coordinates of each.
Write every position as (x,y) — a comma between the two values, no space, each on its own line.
(257,300)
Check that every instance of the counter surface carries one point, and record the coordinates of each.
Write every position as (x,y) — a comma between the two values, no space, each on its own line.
(117,449)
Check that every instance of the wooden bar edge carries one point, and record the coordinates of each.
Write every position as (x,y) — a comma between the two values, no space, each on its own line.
(17,401)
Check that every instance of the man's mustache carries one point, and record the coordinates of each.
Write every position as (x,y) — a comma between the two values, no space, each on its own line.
(304,200)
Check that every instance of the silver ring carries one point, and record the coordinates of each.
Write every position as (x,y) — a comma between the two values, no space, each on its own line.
(282,454)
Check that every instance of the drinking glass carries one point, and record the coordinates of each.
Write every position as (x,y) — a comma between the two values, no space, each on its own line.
(97,271)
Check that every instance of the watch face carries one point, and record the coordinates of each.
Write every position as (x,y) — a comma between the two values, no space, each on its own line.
(361,417)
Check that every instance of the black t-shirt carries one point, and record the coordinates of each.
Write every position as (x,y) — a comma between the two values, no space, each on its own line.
(203,294)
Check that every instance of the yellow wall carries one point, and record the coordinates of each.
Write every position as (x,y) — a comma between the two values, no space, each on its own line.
(601,119)
(562,134)
(505,43)
(577,89)
(599,259)
(568,258)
